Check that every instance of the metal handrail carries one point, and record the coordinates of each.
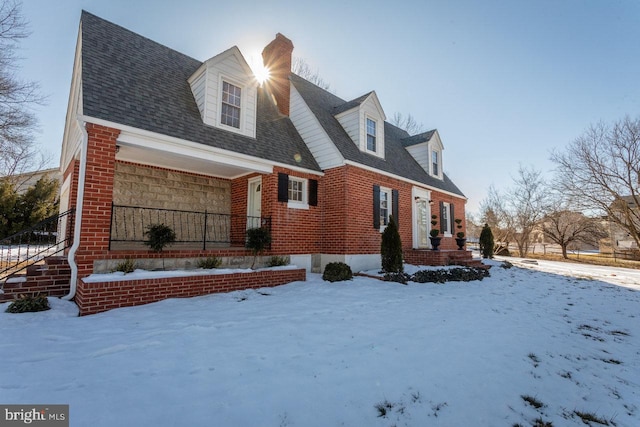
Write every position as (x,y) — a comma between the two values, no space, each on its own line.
(48,237)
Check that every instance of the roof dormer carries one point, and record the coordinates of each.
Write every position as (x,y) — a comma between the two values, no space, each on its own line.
(225,90)
(363,120)
(427,149)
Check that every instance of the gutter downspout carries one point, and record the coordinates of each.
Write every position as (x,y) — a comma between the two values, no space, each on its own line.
(78,216)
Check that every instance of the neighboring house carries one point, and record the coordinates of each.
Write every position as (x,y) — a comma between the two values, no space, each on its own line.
(153,135)
(28,179)
(619,240)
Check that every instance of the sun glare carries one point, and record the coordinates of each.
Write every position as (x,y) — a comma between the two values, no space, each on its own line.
(262,73)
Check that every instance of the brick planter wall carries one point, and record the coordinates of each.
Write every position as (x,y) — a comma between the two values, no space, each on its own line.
(102,296)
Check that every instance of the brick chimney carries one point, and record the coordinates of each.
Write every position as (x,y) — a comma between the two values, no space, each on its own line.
(276,57)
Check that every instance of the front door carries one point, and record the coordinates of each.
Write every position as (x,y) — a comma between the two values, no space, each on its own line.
(422,222)
(254,203)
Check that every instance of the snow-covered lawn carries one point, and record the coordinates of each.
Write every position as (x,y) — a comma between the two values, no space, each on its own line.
(357,353)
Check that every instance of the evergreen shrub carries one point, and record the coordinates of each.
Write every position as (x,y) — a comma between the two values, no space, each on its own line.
(29,304)
(337,272)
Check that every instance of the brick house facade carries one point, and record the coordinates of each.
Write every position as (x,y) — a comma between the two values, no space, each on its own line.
(150,131)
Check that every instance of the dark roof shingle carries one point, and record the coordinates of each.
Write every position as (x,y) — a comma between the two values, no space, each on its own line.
(134,81)
(397,161)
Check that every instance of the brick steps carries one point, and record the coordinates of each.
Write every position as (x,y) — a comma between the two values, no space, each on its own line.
(49,277)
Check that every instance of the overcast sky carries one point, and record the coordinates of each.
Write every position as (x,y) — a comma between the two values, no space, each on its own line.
(503,81)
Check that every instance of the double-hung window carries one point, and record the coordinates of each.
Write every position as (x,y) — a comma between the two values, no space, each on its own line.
(230,111)
(435,163)
(371,135)
(385,206)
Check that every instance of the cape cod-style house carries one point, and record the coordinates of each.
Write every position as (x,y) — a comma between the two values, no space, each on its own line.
(154,136)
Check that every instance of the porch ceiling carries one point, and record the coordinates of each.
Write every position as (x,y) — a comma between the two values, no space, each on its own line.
(220,167)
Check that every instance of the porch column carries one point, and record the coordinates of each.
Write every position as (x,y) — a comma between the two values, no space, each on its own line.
(98,195)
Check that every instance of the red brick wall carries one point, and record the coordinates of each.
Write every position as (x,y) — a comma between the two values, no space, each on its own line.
(348,217)
(96,297)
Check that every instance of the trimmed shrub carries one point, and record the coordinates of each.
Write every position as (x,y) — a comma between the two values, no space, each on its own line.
(391,248)
(506,265)
(126,266)
(277,261)
(209,263)
(258,239)
(486,242)
(337,272)
(29,304)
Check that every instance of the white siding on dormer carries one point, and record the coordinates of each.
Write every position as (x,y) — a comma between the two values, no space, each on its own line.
(350,121)
(198,86)
(206,86)
(354,122)
(422,153)
(307,125)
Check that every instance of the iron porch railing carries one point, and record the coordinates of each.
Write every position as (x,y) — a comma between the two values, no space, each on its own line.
(47,238)
(129,223)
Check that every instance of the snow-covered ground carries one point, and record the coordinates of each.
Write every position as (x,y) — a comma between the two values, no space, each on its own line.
(357,353)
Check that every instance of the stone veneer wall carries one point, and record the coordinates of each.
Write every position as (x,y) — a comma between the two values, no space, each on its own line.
(137,185)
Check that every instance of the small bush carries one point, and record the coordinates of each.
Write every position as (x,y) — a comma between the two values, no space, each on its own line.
(337,272)
(486,242)
(159,235)
(277,261)
(29,304)
(397,277)
(126,266)
(458,274)
(506,265)
(209,263)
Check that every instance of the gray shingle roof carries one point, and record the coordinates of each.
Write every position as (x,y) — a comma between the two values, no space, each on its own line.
(418,139)
(397,161)
(131,80)
(350,104)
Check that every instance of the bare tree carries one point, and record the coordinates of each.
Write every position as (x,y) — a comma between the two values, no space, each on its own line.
(565,226)
(601,170)
(407,123)
(517,211)
(494,214)
(17,121)
(301,68)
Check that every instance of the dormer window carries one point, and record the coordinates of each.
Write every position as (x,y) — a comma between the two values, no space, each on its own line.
(230,111)
(435,163)
(371,135)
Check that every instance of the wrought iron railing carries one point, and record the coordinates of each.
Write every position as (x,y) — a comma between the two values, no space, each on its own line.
(47,238)
(129,224)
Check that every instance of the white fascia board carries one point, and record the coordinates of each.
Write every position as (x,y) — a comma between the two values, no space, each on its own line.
(74,106)
(144,138)
(400,178)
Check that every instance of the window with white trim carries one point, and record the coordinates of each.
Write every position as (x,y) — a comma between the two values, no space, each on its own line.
(385,206)
(435,163)
(446,218)
(297,192)
(230,109)
(371,135)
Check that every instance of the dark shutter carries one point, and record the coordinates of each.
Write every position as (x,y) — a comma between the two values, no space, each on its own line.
(313,192)
(395,206)
(441,216)
(283,187)
(376,206)
(452,223)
